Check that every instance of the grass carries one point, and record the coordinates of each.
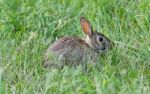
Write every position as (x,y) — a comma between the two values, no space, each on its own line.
(28,27)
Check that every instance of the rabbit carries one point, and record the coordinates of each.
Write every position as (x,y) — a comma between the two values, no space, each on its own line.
(74,51)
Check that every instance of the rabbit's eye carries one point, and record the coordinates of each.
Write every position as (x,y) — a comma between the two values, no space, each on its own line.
(100,38)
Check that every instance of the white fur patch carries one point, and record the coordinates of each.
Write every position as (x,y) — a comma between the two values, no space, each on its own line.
(88,41)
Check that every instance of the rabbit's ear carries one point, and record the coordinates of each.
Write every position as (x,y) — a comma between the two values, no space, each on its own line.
(86,26)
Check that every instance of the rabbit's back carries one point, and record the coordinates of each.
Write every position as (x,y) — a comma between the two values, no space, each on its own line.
(72,50)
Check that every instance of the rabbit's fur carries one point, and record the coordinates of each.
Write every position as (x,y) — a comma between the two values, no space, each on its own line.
(74,50)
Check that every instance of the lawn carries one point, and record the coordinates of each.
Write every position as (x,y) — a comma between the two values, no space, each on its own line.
(28,27)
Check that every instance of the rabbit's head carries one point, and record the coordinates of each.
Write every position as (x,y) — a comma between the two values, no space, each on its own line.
(97,41)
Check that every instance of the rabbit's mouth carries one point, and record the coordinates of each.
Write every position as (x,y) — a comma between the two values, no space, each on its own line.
(101,50)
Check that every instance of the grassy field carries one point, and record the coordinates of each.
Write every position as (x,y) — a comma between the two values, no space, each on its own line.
(28,27)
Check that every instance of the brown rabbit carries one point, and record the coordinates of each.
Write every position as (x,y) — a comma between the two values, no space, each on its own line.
(74,50)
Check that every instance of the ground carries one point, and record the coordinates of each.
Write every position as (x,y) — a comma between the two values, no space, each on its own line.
(28,27)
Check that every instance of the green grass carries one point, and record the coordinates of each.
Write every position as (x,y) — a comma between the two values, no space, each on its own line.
(28,27)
